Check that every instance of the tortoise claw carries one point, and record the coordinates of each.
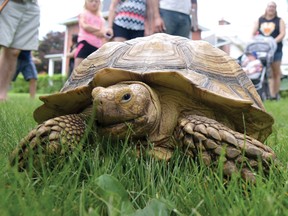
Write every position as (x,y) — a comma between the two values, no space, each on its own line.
(210,140)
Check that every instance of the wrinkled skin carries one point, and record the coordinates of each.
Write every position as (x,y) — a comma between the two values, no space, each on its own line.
(122,105)
(170,121)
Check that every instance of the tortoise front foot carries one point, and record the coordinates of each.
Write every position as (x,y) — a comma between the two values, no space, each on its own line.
(51,139)
(208,139)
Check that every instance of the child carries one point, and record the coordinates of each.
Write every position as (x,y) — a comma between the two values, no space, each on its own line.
(91,30)
(71,54)
(251,64)
(126,19)
(26,66)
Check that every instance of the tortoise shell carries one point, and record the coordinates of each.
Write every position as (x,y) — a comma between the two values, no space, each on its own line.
(196,68)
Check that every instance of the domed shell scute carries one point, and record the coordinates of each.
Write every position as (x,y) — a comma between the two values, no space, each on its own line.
(145,55)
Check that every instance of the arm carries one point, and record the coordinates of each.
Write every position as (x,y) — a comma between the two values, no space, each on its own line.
(194,15)
(89,28)
(112,14)
(149,17)
(282,33)
(159,25)
(255,28)
(72,53)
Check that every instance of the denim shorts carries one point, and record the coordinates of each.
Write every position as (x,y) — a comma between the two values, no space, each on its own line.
(27,68)
(278,56)
(176,23)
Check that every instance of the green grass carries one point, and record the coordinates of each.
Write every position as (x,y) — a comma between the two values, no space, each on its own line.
(110,180)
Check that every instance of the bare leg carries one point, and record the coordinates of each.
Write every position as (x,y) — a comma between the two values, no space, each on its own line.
(8,61)
(119,39)
(276,78)
(77,62)
(32,87)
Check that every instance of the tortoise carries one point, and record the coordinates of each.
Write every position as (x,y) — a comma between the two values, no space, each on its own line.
(173,92)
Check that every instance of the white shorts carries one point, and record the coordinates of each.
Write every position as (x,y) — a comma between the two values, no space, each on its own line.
(19,23)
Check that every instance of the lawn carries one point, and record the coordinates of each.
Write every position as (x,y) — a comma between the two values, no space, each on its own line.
(111,181)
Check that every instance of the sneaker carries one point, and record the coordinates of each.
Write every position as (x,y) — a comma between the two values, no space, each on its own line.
(278,97)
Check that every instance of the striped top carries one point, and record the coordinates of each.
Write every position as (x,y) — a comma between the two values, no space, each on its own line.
(130,14)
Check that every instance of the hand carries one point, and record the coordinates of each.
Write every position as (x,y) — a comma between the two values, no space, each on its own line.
(109,33)
(159,25)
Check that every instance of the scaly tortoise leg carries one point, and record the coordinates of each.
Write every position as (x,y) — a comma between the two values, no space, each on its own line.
(209,139)
(53,137)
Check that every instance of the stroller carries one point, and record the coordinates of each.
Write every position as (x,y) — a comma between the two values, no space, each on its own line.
(264,48)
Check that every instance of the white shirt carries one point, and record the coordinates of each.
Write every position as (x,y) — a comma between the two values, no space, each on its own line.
(182,6)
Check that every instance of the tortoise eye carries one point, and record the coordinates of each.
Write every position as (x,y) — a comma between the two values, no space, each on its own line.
(126,97)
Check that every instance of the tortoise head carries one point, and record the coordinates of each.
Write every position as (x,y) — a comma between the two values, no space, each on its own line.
(126,107)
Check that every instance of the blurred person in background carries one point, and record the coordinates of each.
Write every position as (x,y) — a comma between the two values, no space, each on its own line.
(92,30)
(71,54)
(128,19)
(271,25)
(19,23)
(174,17)
(26,66)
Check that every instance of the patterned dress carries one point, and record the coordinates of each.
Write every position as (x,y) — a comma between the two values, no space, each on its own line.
(130,14)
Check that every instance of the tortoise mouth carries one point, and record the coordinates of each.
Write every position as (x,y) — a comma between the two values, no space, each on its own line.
(101,124)
(135,126)
(103,120)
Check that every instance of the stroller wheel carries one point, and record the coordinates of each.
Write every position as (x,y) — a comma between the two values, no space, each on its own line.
(263,96)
